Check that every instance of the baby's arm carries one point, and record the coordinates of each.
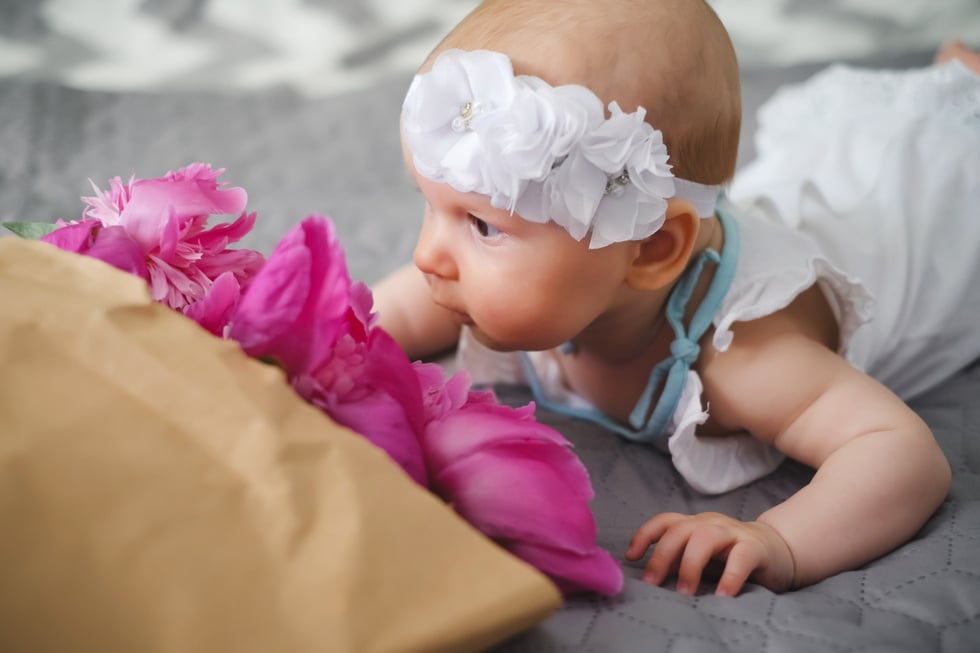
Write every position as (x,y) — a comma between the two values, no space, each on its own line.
(407,312)
(880,473)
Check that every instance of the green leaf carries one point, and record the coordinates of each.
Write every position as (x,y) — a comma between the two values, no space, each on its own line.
(31,230)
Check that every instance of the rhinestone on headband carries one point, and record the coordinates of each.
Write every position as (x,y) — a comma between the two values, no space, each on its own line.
(548,153)
(615,185)
(461,122)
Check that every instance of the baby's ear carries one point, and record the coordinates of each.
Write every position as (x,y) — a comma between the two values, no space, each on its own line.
(661,257)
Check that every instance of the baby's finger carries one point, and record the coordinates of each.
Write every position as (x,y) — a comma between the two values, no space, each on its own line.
(650,532)
(744,558)
(705,542)
(666,556)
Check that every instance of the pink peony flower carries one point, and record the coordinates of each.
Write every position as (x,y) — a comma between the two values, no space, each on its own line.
(157,229)
(516,480)
(302,312)
(167,218)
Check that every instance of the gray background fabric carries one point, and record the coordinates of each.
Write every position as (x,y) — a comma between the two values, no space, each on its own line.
(299,100)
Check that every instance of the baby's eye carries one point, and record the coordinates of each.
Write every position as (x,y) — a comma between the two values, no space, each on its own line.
(483,228)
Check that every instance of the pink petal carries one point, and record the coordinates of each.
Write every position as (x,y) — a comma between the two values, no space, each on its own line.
(221,235)
(244,263)
(75,237)
(195,172)
(109,244)
(169,236)
(382,420)
(175,286)
(215,310)
(389,370)
(114,246)
(441,396)
(478,397)
(594,571)
(361,302)
(153,200)
(526,491)
(482,424)
(297,304)
(107,205)
(274,302)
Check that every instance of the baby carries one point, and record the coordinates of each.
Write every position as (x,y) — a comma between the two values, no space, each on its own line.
(571,155)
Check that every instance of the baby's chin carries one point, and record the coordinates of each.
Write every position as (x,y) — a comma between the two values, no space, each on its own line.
(510,344)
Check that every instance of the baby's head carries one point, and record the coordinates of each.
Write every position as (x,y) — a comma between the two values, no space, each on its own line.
(672,57)
(598,120)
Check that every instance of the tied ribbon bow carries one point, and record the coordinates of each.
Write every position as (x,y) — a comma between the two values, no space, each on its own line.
(685,349)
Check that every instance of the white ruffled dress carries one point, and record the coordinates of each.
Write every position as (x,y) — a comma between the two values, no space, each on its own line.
(867,183)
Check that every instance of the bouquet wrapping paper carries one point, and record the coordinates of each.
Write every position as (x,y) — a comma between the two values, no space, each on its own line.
(161,491)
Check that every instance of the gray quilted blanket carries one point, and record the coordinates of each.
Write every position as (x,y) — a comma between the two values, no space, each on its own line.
(925,596)
(300,104)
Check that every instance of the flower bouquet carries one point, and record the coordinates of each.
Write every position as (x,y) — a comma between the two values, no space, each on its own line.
(512,478)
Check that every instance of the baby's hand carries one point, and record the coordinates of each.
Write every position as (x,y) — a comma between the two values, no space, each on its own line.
(687,543)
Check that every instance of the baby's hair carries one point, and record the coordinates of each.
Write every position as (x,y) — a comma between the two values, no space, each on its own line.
(673,57)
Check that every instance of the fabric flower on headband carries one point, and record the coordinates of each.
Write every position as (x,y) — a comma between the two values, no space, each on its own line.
(545,152)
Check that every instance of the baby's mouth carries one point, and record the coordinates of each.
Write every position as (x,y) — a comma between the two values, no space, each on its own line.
(458,316)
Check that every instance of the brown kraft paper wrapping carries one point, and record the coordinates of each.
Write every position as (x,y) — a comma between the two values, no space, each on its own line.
(160,491)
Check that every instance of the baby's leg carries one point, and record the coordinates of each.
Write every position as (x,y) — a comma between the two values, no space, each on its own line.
(958,50)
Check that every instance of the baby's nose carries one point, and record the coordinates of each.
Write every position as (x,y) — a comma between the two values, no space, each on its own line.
(434,250)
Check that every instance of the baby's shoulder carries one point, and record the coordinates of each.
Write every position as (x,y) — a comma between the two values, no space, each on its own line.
(771,361)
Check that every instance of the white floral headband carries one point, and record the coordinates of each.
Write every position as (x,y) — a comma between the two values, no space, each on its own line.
(545,152)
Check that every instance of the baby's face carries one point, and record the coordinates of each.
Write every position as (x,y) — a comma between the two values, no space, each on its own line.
(518,285)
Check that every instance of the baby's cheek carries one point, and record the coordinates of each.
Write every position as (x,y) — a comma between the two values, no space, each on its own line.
(514,309)
(541,325)
(505,320)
